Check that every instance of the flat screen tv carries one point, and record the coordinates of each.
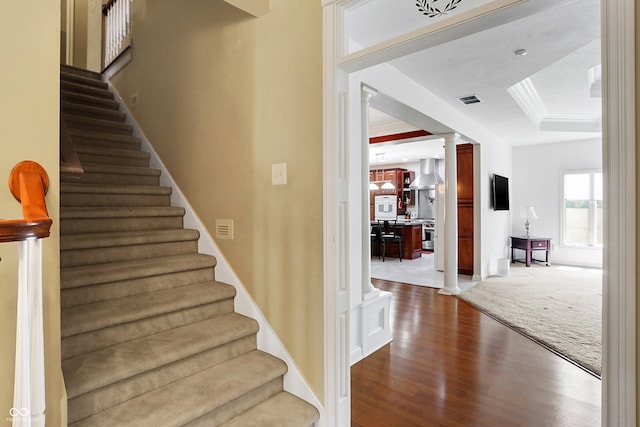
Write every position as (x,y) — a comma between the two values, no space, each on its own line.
(500,193)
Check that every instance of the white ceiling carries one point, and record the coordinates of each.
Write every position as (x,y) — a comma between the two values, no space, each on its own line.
(553,79)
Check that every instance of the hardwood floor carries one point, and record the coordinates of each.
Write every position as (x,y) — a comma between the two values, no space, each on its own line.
(450,365)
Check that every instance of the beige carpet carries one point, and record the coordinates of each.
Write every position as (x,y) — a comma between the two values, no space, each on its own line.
(560,307)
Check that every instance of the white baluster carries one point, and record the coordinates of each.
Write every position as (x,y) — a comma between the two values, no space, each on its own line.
(29,386)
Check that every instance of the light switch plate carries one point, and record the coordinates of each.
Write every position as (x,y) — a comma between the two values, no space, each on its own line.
(278,174)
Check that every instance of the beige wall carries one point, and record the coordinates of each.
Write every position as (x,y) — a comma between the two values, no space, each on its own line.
(222,96)
(29,82)
(87,34)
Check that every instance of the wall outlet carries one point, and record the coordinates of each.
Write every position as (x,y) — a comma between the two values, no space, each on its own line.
(278,174)
(134,99)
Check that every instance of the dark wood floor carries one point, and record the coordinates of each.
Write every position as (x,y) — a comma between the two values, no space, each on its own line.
(450,365)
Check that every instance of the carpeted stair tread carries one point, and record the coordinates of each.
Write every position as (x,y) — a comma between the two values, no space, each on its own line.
(68,187)
(281,410)
(116,175)
(79,220)
(106,240)
(76,122)
(107,366)
(112,156)
(100,248)
(94,101)
(87,136)
(87,90)
(96,112)
(82,79)
(73,277)
(120,212)
(91,317)
(122,170)
(182,401)
(80,71)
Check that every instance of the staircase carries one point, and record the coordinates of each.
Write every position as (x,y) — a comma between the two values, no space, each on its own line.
(150,338)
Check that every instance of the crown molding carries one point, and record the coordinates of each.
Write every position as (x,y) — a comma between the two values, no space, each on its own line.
(528,99)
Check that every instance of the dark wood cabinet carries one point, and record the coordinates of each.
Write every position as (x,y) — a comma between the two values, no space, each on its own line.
(397,177)
(464,172)
(411,242)
(408,195)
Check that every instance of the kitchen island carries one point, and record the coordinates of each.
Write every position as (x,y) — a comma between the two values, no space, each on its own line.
(411,232)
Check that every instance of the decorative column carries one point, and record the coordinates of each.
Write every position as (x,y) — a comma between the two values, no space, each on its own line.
(450,217)
(375,307)
(368,290)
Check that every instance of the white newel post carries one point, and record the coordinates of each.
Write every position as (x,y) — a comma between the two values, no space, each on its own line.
(29,393)
(450,217)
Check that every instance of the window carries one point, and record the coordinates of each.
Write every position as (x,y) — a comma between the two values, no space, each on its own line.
(582,209)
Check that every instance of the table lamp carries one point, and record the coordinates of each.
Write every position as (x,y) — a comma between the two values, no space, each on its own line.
(528,213)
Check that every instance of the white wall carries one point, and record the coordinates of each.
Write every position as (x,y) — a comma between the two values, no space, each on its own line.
(537,181)
(495,158)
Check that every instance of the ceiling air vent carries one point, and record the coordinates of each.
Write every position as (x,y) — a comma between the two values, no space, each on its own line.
(469,99)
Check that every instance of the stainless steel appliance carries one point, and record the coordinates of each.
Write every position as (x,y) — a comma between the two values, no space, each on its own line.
(428,234)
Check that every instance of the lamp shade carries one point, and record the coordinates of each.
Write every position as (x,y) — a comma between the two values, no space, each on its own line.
(528,212)
(373,186)
(388,186)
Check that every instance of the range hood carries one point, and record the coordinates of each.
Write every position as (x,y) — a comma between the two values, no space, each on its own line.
(428,177)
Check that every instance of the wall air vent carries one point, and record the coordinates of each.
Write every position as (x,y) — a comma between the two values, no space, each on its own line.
(469,99)
(224,229)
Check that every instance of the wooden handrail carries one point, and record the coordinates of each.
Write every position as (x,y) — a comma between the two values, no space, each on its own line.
(28,182)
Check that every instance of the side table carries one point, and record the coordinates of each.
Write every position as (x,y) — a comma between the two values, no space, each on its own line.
(529,245)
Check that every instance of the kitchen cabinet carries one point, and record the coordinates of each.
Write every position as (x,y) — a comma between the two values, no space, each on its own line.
(398,177)
(408,195)
(464,173)
(411,242)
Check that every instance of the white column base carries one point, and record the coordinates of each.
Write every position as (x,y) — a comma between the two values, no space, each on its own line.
(376,321)
(445,291)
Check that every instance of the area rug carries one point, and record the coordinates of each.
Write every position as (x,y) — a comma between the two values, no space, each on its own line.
(559,307)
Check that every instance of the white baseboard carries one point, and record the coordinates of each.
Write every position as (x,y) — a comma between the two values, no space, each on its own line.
(268,341)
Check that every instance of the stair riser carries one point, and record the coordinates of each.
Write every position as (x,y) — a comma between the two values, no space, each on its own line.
(95,293)
(113,200)
(77,257)
(93,113)
(88,100)
(114,179)
(83,80)
(101,225)
(86,90)
(237,406)
(106,143)
(86,404)
(101,159)
(91,341)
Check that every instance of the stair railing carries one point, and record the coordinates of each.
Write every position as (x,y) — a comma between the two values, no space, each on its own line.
(116,29)
(28,183)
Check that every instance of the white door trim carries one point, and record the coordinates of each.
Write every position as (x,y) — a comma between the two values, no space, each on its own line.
(619,163)
(619,263)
